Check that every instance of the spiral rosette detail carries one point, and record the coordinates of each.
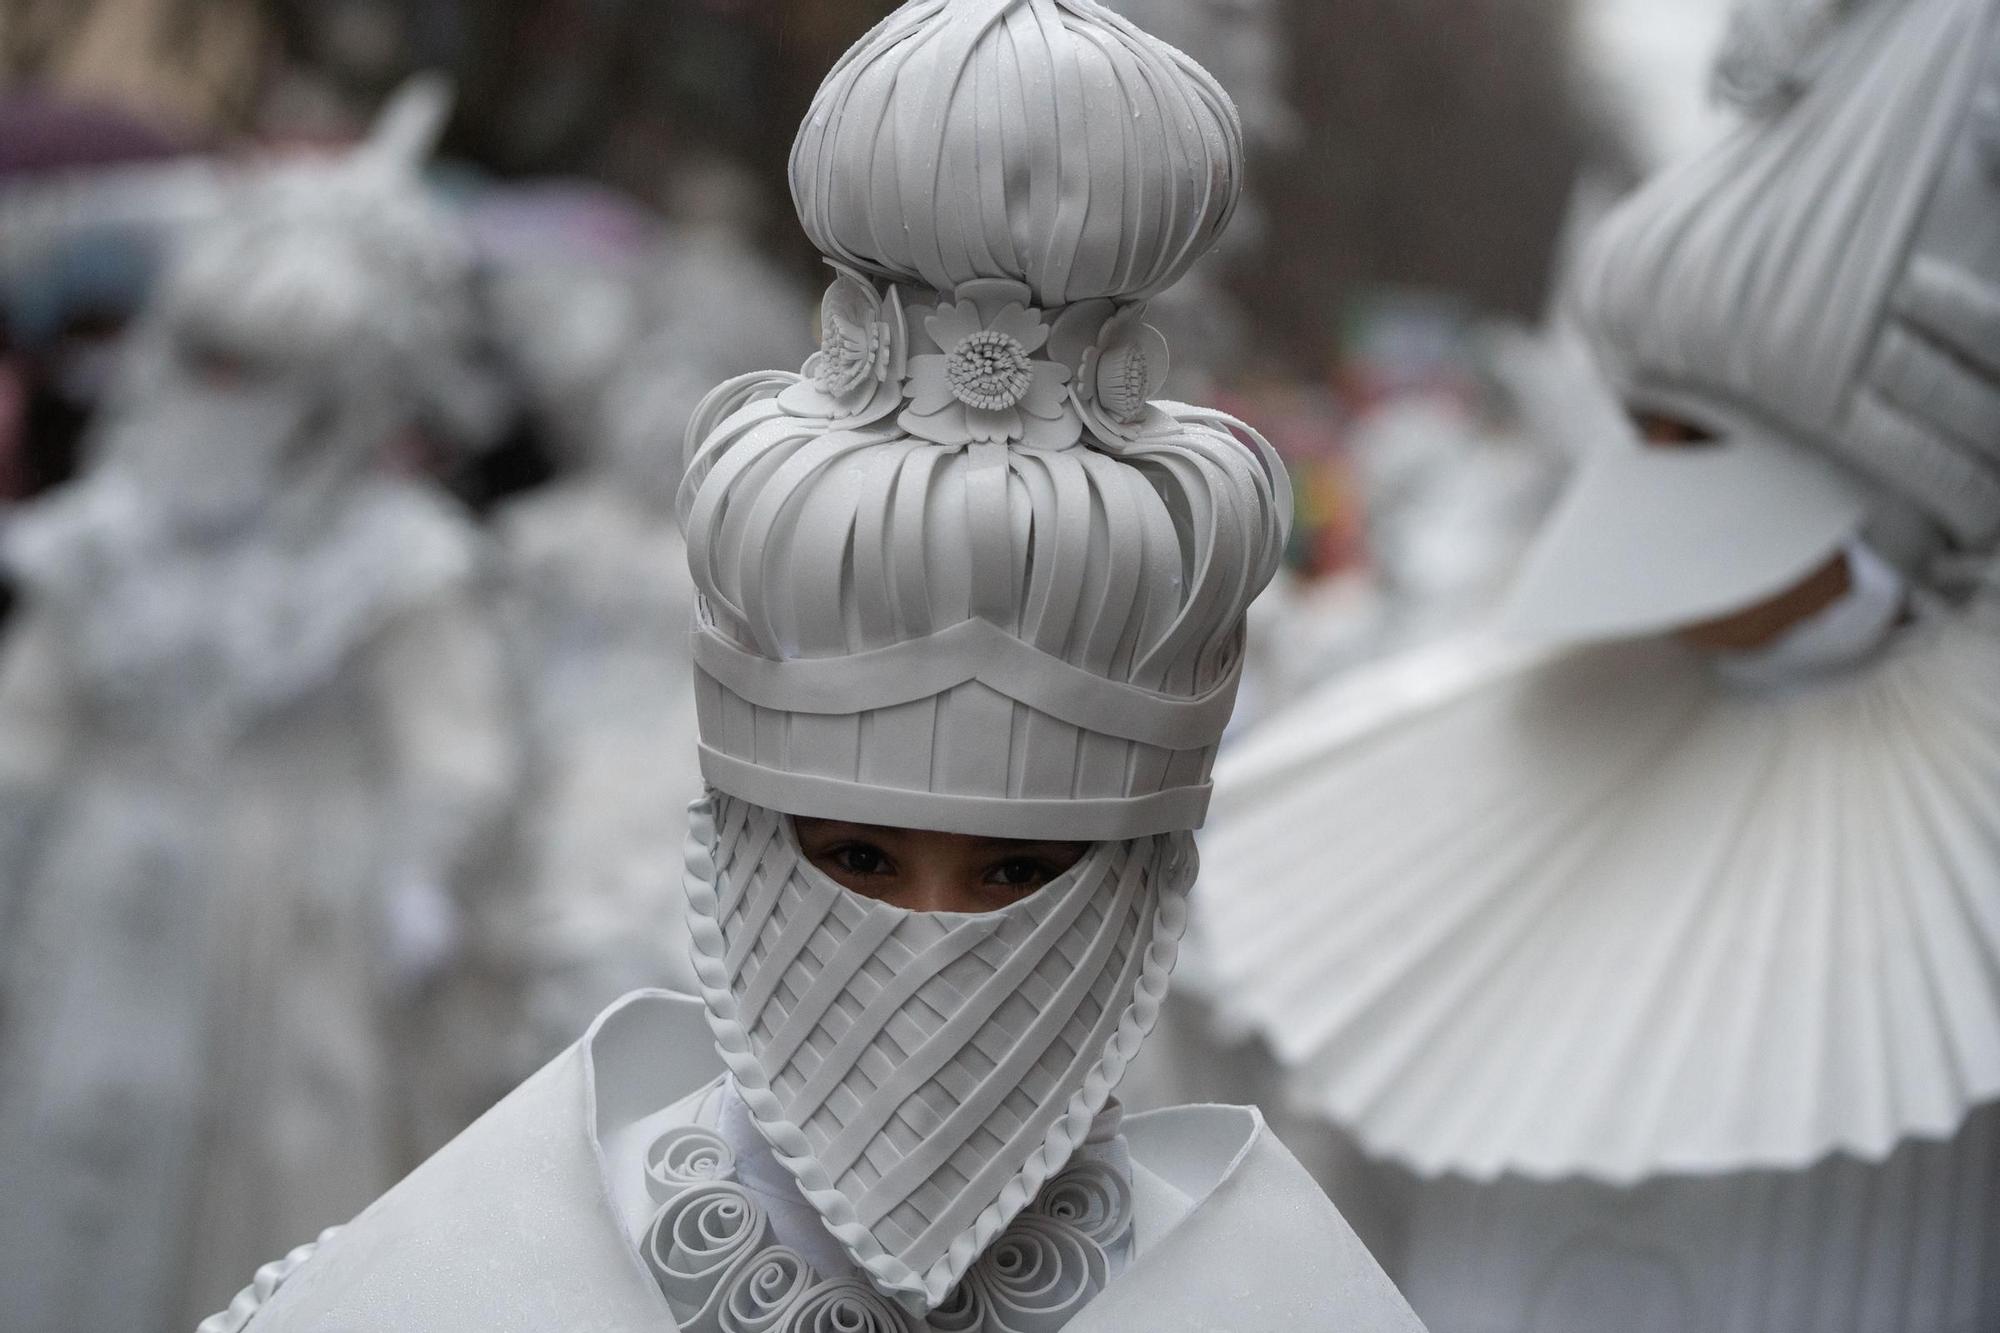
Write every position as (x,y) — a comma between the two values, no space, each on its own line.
(963,1311)
(684,1157)
(848,1305)
(762,1292)
(696,1242)
(1091,1197)
(1039,1275)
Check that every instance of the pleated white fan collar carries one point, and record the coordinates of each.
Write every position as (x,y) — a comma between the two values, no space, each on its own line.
(1602,914)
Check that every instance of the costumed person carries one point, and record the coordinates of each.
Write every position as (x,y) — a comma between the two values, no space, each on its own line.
(970,624)
(618,356)
(252,728)
(1665,965)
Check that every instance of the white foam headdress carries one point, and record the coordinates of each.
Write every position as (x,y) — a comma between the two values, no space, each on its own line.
(345,269)
(1821,291)
(962,573)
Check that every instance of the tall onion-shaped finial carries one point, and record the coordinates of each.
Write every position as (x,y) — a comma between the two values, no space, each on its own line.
(1045,141)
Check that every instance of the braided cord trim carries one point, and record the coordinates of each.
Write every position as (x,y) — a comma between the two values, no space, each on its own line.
(262,1287)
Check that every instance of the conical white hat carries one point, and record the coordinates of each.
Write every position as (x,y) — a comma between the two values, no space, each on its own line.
(1821,292)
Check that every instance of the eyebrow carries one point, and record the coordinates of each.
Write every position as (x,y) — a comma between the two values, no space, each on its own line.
(1017,847)
(841,828)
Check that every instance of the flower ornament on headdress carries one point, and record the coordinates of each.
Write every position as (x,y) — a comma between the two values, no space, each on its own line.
(1121,365)
(982,365)
(985,384)
(856,378)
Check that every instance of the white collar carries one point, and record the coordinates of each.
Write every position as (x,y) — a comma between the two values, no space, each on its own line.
(1831,640)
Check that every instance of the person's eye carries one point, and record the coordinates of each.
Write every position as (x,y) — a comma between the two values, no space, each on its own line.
(859,858)
(1022,872)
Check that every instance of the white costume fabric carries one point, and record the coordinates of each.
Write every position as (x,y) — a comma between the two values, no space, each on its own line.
(960,575)
(1669,984)
(445,1249)
(252,706)
(617,356)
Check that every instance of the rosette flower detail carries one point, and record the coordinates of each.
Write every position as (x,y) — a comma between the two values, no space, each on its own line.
(848,1305)
(963,1311)
(1120,363)
(684,1157)
(985,383)
(762,1292)
(696,1243)
(856,377)
(1092,1198)
(1038,1276)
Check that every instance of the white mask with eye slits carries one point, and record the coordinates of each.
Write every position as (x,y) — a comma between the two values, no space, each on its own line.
(922,1075)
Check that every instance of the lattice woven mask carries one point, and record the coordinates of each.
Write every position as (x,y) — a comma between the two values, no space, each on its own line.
(923,1075)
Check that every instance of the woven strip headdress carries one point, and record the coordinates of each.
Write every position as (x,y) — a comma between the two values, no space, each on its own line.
(964,572)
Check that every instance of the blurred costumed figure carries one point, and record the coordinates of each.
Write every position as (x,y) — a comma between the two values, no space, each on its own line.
(1664,963)
(1214,336)
(1449,491)
(251,731)
(964,581)
(617,354)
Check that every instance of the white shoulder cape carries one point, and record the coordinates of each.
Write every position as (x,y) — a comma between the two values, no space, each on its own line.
(511,1229)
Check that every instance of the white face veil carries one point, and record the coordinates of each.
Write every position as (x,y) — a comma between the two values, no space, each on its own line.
(209,454)
(924,1074)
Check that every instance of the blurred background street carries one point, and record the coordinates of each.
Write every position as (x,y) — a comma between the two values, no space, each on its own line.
(345,797)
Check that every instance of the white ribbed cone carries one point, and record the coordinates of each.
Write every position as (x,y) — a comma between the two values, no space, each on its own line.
(1598,914)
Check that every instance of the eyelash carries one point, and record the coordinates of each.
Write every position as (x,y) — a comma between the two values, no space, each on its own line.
(839,854)
(1038,870)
